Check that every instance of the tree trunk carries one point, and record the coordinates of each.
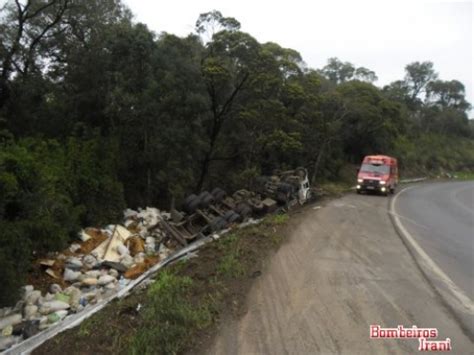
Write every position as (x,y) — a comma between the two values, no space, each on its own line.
(204,171)
(317,163)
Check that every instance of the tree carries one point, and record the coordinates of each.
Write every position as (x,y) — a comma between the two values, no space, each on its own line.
(339,72)
(210,23)
(417,77)
(446,94)
(364,74)
(227,67)
(24,27)
(372,121)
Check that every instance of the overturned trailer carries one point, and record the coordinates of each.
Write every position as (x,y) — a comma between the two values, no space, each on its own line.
(209,212)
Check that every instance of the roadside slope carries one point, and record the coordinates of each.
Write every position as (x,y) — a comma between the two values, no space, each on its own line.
(343,269)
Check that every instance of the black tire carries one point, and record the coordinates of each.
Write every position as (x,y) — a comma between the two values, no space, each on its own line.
(228,214)
(202,194)
(218,194)
(206,200)
(281,197)
(285,188)
(215,190)
(235,218)
(243,209)
(188,199)
(218,224)
(193,205)
(392,190)
(358,192)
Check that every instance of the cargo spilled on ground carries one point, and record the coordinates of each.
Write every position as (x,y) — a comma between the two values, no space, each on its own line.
(104,260)
(186,302)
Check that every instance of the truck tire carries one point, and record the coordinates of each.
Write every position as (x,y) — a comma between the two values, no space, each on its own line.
(203,193)
(285,188)
(206,199)
(243,209)
(192,205)
(188,199)
(228,214)
(234,218)
(218,224)
(218,194)
(281,197)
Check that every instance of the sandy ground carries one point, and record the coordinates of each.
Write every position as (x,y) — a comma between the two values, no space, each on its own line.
(343,269)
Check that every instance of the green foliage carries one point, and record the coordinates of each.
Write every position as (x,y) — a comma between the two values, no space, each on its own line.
(169,318)
(464,175)
(46,190)
(91,166)
(121,116)
(36,212)
(434,154)
(280,219)
(229,265)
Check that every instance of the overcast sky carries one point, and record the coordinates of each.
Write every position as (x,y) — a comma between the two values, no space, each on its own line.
(381,35)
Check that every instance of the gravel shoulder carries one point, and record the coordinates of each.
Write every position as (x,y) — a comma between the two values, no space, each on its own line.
(343,268)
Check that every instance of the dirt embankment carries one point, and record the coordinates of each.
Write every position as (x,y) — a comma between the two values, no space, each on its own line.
(343,269)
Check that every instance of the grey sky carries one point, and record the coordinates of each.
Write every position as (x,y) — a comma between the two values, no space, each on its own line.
(381,35)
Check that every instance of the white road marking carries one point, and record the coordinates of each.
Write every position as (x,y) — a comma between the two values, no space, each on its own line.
(408,219)
(465,301)
(455,197)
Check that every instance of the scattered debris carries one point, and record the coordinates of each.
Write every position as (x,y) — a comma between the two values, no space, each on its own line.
(103,261)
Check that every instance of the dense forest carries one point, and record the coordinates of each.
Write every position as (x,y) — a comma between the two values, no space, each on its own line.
(97,113)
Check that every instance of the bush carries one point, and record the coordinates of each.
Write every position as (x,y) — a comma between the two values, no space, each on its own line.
(46,190)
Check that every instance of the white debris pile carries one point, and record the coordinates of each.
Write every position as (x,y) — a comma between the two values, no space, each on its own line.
(99,264)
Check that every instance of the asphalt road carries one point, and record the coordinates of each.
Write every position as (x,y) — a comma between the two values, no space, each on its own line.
(343,269)
(440,217)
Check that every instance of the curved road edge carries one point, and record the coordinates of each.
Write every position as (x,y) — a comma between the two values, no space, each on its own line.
(450,295)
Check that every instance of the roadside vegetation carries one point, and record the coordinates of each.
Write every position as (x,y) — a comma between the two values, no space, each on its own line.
(184,305)
(97,112)
(464,175)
